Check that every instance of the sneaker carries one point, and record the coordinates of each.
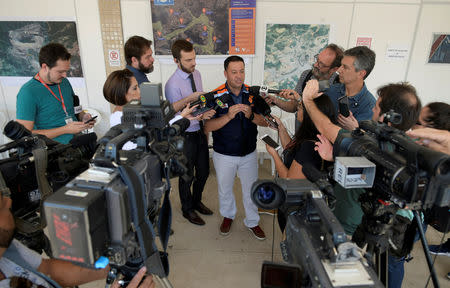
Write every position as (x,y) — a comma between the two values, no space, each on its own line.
(225,227)
(258,232)
(439,250)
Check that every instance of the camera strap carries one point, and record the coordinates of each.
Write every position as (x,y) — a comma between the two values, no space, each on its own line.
(40,165)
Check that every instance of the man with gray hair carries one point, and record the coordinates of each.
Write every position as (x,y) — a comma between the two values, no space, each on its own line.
(326,63)
(356,65)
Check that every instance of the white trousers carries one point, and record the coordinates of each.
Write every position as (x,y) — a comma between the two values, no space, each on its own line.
(246,168)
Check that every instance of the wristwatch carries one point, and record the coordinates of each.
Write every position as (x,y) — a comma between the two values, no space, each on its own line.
(251,117)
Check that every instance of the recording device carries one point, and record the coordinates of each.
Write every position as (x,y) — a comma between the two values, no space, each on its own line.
(107,214)
(324,258)
(323,85)
(269,141)
(264,109)
(343,106)
(210,103)
(46,165)
(90,120)
(407,176)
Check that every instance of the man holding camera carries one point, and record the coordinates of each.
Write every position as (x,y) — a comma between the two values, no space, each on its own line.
(45,104)
(401,98)
(22,267)
(181,89)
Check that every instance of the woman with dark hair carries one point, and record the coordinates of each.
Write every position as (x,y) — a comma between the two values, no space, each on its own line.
(435,115)
(120,88)
(300,149)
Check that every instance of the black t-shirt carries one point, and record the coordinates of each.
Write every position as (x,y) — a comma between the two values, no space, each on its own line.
(305,154)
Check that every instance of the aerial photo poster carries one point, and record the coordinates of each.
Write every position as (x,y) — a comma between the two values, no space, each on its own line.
(215,27)
(289,50)
(20,42)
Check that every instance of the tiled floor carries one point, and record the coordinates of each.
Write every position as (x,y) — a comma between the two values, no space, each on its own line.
(201,258)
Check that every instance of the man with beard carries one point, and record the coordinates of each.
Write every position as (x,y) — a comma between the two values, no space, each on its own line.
(138,55)
(180,89)
(325,66)
(45,104)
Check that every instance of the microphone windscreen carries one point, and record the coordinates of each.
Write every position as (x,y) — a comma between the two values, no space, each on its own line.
(254,90)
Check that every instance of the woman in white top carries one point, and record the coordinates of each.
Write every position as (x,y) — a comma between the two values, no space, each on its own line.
(120,88)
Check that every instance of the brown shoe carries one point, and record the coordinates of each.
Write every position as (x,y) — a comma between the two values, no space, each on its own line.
(202,209)
(225,226)
(258,232)
(193,217)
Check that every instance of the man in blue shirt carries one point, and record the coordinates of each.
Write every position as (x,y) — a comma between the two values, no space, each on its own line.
(45,104)
(180,89)
(234,143)
(138,55)
(356,65)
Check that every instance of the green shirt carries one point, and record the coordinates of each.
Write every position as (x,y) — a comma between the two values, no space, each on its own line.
(36,103)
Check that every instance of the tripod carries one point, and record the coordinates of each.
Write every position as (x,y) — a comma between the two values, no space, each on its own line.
(375,230)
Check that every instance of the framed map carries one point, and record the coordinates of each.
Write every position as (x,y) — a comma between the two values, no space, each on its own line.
(289,50)
(214,27)
(20,42)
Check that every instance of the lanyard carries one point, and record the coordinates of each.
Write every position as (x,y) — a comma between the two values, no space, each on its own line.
(60,94)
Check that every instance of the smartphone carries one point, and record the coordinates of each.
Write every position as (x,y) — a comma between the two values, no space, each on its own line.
(201,111)
(343,106)
(268,140)
(323,85)
(90,120)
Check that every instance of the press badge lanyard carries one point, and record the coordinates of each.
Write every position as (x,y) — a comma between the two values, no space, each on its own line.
(68,119)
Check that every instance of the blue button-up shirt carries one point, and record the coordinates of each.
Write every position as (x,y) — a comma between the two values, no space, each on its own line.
(361,104)
(138,74)
(179,87)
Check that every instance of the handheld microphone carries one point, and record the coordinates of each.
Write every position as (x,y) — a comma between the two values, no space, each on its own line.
(264,91)
(205,98)
(265,110)
(178,127)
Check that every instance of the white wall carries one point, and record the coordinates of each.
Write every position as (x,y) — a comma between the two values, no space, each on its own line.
(408,23)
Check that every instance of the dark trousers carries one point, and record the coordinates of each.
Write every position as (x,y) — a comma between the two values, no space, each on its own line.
(197,154)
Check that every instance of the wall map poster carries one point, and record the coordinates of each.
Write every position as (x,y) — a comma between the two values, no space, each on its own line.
(20,42)
(215,27)
(290,49)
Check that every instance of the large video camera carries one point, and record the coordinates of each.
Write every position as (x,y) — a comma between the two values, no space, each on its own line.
(396,173)
(315,246)
(37,166)
(407,174)
(107,213)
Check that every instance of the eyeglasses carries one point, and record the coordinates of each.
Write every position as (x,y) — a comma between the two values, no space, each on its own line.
(320,64)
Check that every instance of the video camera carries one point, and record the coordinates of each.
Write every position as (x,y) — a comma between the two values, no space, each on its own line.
(36,167)
(316,247)
(407,174)
(107,213)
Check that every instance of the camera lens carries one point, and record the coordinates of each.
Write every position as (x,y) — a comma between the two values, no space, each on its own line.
(265,194)
(14,130)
